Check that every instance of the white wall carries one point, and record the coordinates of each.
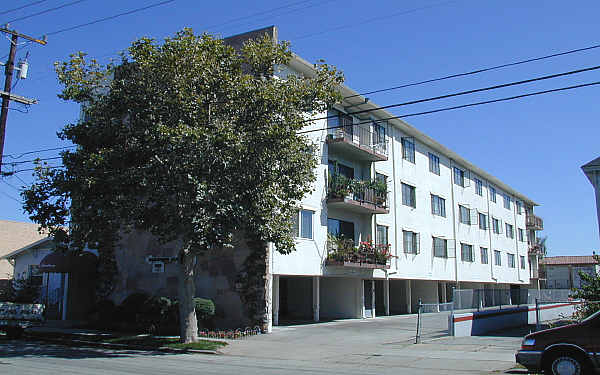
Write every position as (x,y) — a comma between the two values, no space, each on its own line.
(340,297)
(27,258)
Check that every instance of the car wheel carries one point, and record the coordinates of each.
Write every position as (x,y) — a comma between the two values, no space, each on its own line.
(565,364)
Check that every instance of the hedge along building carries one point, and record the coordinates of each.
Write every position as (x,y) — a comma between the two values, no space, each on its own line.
(380,181)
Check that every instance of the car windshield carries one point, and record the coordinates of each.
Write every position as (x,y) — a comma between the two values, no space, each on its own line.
(593,316)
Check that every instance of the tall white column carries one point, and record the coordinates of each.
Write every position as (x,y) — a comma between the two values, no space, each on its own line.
(408,297)
(316,298)
(386,296)
(275,300)
(444,293)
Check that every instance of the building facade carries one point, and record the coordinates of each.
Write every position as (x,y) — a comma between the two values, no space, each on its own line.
(382,185)
(562,272)
(592,171)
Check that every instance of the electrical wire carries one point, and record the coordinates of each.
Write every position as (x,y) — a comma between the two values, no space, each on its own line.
(11,197)
(21,7)
(109,17)
(36,152)
(31,161)
(459,106)
(45,11)
(466,92)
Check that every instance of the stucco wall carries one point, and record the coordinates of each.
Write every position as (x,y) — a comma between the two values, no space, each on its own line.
(13,236)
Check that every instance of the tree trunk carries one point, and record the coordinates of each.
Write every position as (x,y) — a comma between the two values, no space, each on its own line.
(188,323)
(256,292)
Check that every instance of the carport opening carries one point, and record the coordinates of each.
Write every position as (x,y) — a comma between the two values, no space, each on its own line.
(295,299)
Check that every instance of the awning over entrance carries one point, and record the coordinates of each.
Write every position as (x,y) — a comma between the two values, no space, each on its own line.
(69,262)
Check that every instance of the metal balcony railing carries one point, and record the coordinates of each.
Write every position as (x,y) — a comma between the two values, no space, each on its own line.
(534,222)
(342,252)
(363,138)
(370,192)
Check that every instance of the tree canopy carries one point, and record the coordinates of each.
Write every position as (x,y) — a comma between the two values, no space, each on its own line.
(188,139)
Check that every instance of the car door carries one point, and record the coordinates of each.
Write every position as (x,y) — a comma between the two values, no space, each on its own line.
(593,338)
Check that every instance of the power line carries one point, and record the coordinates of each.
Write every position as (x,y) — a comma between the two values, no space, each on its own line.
(11,197)
(45,11)
(36,152)
(465,92)
(22,7)
(110,17)
(459,106)
(477,71)
(31,161)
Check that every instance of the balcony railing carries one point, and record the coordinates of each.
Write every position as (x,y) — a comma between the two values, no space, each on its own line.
(359,141)
(358,195)
(534,222)
(342,252)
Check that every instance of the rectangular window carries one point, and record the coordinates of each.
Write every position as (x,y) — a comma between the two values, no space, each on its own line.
(507,200)
(459,177)
(522,258)
(411,242)
(519,207)
(482,221)
(511,260)
(302,224)
(493,194)
(340,228)
(464,215)
(496,225)
(379,135)
(466,252)
(409,197)
(440,247)
(381,237)
(484,255)
(478,187)
(509,231)
(438,205)
(521,235)
(497,258)
(408,149)
(434,164)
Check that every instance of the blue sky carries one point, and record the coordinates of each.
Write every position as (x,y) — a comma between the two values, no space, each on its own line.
(536,144)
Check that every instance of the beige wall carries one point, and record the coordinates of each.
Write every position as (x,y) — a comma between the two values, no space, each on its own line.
(13,236)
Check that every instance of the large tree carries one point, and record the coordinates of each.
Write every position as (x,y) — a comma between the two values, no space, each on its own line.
(190,140)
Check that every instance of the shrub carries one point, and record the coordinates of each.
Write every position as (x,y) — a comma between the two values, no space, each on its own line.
(131,306)
(205,308)
(21,291)
(154,314)
(103,315)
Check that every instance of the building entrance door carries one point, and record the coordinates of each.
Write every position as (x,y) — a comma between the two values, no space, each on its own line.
(369,292)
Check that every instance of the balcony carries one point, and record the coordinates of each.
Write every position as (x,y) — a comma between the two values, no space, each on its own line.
(358,143)
(342,252)
(534,222)
(365,197)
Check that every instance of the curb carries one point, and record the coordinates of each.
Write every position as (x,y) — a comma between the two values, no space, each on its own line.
(107,345)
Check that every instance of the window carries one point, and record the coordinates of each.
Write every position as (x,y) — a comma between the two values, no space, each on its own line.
(484,255)
(380,177)
(302,225)
(482,221)
(507,200)
(497,258)
(337,168)
(509,231)
(340,228)
(379,135)
(464,215)
(381,236)
(522,258)
(438,205)
(409,196)
(411,242)
(408,149)
(434,164)
(519,207)
(511,260)
(493,194)
(466,252)
(35,276)
(459,177)
(521,235)
(478,187)
(440,247)
(496,226)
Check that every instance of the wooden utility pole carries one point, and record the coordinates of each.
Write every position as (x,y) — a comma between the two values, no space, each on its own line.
(9,69)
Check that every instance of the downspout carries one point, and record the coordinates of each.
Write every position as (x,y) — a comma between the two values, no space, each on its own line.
(395,205)
(515,230)
(454,224)
(490,250)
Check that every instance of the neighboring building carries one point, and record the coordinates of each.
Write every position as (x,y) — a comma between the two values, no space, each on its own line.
(562,272)
(15,235)
(592,171)
(446,222)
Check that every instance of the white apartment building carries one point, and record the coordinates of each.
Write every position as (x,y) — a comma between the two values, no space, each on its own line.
(448,223)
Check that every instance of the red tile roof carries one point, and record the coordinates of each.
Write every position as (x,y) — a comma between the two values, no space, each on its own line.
(566,260)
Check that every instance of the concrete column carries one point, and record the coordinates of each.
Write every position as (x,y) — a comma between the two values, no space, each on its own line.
(361,299)
(386,296)
(373,306)
(408,297)
(316,299)
(444,295)
(268,325)
(275,300)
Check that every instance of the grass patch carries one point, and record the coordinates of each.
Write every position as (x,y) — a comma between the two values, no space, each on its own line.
(155,342)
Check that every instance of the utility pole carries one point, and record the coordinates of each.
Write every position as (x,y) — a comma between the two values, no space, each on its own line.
(9,69)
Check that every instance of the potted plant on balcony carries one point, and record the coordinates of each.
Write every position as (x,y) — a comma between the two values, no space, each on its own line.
(380,191)
(383,253)
(339,186)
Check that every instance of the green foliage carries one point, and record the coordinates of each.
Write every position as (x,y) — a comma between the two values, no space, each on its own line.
(131,307)
(205,308)
(589,291)
(21,291)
